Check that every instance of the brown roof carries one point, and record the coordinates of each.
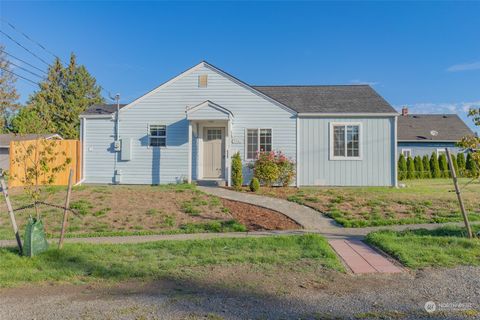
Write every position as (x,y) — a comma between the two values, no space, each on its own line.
(418,127)
(5,138)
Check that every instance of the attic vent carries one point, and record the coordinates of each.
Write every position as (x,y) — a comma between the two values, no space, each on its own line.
(445,117)
(202,81)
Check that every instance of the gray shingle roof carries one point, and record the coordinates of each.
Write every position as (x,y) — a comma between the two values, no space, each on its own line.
(5,138)
(417,127)
(102,109)
(329,99)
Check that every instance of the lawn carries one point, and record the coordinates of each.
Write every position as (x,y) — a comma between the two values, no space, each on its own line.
(78,263)
(444,247)
(421,201)
(140,210)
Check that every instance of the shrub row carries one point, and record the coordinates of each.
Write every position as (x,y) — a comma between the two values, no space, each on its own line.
(435,166)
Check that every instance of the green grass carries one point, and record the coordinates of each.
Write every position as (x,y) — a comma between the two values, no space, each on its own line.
(443,247)
(78,263)
(421,201)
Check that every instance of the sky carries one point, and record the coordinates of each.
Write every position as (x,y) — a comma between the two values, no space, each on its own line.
(424,55)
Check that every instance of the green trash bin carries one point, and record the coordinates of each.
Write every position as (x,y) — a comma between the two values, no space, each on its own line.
(35,241)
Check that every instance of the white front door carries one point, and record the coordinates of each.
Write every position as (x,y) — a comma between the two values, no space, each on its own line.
(213,152)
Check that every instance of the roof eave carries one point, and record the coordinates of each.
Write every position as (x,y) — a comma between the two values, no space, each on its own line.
(346,114)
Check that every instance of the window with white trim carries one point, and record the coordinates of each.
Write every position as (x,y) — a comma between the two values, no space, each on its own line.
(258,140)
(157,135)
(344,141)
(407,153)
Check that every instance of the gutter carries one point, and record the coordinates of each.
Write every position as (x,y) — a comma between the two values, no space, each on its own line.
(343,114)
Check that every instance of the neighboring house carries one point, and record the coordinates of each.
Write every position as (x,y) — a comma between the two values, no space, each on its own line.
(6,138)
(422,134)
(189,127)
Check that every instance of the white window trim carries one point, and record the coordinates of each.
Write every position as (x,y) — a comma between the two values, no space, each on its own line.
(149,136)
(360,140)
(409,150)
(258,141)
(441,150)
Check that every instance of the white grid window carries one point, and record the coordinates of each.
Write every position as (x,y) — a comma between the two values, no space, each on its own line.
(157,135)
(345,141)
(258,140)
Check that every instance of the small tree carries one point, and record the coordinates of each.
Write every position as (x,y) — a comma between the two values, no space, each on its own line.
(434,167)
(443,166)
(418,167)
(426,167)
(410,168)
(402,167)
(237,171)
(454,163)
(461,164)
(471,166)
(40,163)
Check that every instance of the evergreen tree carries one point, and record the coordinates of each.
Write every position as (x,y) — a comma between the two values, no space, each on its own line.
(426,167)
(434,166)
(67,92)
(8,92)
(28,121)
(418,167)
(443,165)
(471,166)
(461,164)
(410,168)
(402,167)
(455,164)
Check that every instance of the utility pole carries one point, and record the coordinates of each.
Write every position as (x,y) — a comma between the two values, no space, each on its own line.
(459,195)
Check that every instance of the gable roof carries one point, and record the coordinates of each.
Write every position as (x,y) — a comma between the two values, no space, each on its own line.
(101,109)
(6,138)
(329,98)
(417,127)
(341,99)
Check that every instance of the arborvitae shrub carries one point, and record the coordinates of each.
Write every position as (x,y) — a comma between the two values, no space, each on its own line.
(418,167)
(443,165)
(434,167)
(402,167)
(410,168)
(237,168)
(426,167)
(461,164)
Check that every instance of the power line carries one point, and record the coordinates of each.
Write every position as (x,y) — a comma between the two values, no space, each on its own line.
(31,65)
(22,46)
(21,77)
(25,69)
(32,40)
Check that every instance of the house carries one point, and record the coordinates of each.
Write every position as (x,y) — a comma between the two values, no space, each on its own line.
(189,127)
(6,138)
(422,134)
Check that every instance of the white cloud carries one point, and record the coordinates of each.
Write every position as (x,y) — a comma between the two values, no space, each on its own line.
(464,67)
(370,83)
(460,108)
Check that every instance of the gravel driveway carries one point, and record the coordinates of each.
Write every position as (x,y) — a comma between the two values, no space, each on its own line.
(246,293)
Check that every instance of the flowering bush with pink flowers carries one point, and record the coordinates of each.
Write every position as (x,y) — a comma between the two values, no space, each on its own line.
(274,167)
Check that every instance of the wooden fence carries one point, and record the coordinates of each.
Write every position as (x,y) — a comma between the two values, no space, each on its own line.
(64,148)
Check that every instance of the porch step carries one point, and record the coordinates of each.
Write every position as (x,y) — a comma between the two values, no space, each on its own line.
(211,183)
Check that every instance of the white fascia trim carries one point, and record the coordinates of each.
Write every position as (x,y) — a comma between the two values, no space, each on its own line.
(298,153)
(97,116)
(211,105)
(340,114)
(246,86)
(395,153)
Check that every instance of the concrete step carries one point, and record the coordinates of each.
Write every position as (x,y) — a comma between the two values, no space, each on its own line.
(211,183)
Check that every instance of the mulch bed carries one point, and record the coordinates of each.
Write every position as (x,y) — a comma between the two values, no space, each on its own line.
(257,218)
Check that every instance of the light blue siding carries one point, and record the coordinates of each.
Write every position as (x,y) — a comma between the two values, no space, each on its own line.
(208,113)
(377,149)
(153,165)
(426,148)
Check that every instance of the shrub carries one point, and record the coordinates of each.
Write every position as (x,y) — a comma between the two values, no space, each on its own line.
(286,169)
(418,167)
(461,164)
(426,167)
(434,167)
(410,168)
(443,165)
(273,168)
(237,168)
(455,164)
(254,185)
(402,167)
(471,166)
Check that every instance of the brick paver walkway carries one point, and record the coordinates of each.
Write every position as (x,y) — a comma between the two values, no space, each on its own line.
(361,258)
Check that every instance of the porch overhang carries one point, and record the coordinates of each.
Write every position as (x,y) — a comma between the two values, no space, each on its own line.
(208,110)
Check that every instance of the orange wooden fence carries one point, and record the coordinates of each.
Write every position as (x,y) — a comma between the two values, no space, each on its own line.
(65,149)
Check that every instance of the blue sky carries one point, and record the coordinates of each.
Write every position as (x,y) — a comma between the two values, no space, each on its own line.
(425,55)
